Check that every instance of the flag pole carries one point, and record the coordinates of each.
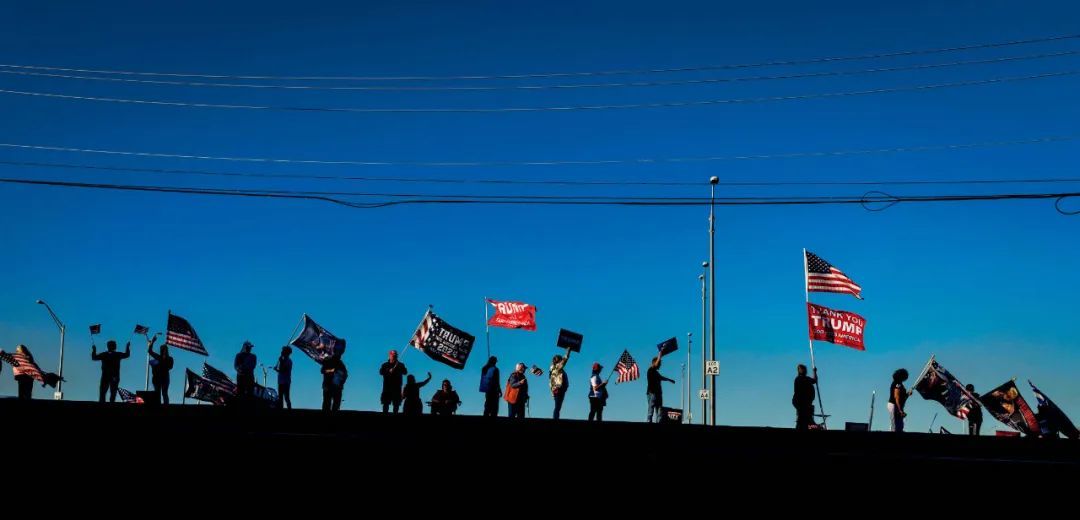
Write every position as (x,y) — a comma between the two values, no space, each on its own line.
(813,362)
(917,379)
(487,328)
(870,424)
(688,376)
(296,328)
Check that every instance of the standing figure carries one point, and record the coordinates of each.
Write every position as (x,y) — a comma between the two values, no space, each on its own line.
(392,371)
(110,368)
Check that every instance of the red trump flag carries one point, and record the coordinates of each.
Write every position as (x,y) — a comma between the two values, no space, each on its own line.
(513,315)
(837,327)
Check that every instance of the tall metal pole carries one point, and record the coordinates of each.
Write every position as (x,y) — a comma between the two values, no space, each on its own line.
(713,181)
(59,394)
(704,339)
(688,376)
(487,328)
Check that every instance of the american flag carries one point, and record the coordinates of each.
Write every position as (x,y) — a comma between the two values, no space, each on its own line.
(421,335)
(821,276)
(627,368)
(128,396)
(218,378)
(95,329)
(181,335)
(537,371)
(23,365)
(142,329)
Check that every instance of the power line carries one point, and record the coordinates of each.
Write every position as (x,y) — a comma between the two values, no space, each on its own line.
(551,182)
(651,160)
(474,88)
(532,200)
(571,108)
(784,62)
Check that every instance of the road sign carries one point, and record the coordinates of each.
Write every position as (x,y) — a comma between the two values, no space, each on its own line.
(703,395)
(712,368)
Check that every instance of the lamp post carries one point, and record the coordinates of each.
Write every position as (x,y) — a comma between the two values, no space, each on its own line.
(713,181)
(59,394)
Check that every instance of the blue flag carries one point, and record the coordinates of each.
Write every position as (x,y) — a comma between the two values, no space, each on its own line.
(317,342)
(668,346)
(1051,419)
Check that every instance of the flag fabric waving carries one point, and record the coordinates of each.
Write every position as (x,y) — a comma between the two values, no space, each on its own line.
(513,315)
(1007,405)
(202,389)
(317,342)
(627,368)
(128,396)
(180,334)
(668,346)
(95,329)
(1051,419)
(821,276)
(442,342)
(837,327)
(141,329)
(23,365)
(217,377)
(938,384)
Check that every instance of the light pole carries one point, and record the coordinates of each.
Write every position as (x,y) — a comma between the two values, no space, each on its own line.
(688,376)
(713,181)
(59,394)
(704,338)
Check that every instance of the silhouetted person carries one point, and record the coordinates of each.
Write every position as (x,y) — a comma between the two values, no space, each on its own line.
(392,371)
(654,391)
(974,416)
(23,377)
(490,386)
(597,394)
(559,381)
(160,365)
(445,401)
(284,376)
(244,363)
(803,398)
(110,368)
(519,382)
(334,376)
(411,395)
(897,398)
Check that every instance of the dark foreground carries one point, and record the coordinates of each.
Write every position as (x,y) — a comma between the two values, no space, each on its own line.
(196,446)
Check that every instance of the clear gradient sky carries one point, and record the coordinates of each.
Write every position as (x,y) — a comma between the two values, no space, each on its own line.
(991,288)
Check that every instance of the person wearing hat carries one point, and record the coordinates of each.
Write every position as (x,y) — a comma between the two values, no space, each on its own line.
(519,382)
(597,394)
(244,363)
(284,377)
(392,371)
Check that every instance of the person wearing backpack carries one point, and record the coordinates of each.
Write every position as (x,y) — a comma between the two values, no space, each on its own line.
(334,376)
(517,391)
(160,365)
(489,386)
(597,394)
(559,381)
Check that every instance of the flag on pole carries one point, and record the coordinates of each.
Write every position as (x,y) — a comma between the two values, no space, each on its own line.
(938,384)
(128,396)
(1051,419)
(668,346)
(24,365)
(837,327)
(513,315)
(95,329)
(141,329)
(537,371)
(180,334)
(627,368)
(317,342)
(1007,405)
(821,276)
(442,342)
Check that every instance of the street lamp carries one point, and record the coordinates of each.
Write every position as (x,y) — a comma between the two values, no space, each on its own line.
(59,394)
(713,181)
(704,337)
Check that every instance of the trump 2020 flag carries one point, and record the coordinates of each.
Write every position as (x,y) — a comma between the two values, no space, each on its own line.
(442,342)
(1007,405)
(317,342)
(1051,419)
(668,346)
(938,384)
(513,315)
(837,327)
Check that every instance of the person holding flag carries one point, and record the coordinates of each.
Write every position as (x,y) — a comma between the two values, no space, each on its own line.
(110,368)
(244,364)
(517,391)
(654,390)
(803,398)
(559,381)
(897,398)
(160,365)
(284,377)
(334,376)
(974,414)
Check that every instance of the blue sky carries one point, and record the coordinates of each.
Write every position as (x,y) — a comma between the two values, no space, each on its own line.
(990,287)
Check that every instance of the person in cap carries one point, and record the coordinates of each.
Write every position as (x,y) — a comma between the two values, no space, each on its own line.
(244,363)
(392,372)
(284,377)
(517,393)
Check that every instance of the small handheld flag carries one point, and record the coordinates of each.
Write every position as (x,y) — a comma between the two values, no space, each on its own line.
(627,368)
(141,329)
(95,329)
(537,371)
